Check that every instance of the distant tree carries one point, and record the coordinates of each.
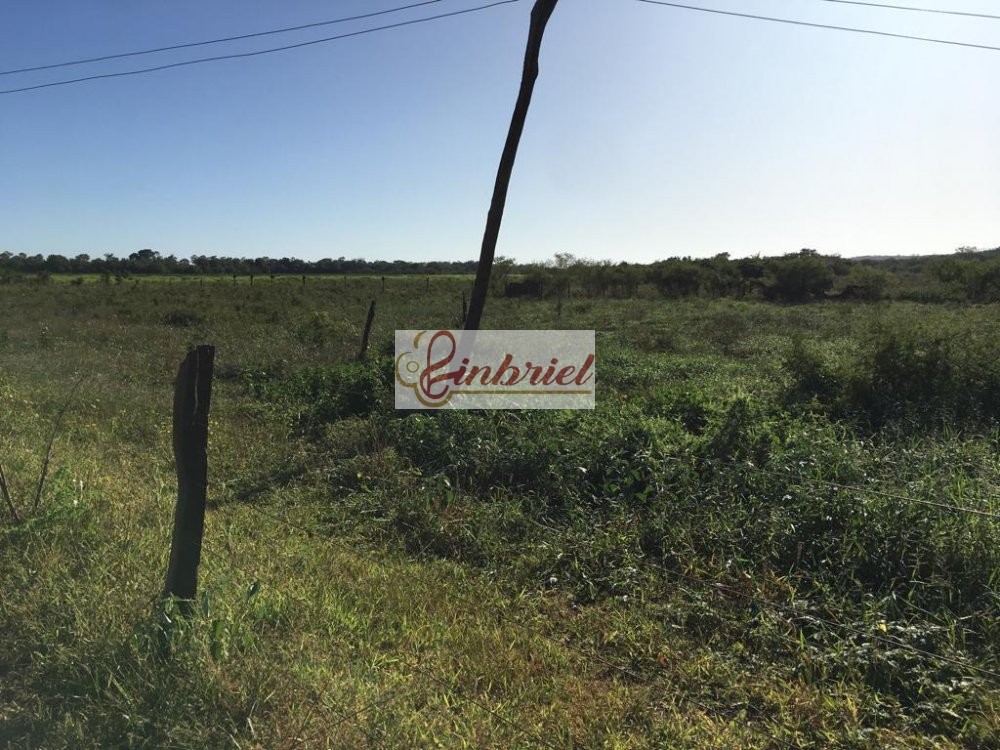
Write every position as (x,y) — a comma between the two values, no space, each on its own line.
(800,277)
(57,264)
(982,281)
(502,269)
(677,277)
(867,283)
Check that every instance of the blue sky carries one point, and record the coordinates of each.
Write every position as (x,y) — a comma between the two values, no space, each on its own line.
(653,132)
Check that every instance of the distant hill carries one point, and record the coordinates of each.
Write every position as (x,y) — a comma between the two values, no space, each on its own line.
(880,258)
(923,258)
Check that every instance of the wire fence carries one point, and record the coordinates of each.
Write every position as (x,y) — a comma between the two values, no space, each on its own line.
(412,665)
(783,474)
(790,615)
(473,604)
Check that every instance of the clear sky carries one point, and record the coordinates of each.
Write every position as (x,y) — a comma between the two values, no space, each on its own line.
(653,132)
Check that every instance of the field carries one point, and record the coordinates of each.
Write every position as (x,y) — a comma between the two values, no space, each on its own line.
(779,528)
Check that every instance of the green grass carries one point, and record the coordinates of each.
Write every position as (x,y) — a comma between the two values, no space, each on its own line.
(717,556)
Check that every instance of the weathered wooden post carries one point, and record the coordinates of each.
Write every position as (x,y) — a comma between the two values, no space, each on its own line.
(368,329)
(383,283)
(465,309)
(192,398)
(540,14)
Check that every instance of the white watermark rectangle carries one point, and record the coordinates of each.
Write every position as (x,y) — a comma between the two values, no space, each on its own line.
(443,369)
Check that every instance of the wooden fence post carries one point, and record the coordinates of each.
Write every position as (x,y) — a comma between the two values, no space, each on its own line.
(192,398)
(465,309)
(368,329)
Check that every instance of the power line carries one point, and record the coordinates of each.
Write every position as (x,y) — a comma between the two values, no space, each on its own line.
(915,9)
(239,55)
(215,41)
(820,25)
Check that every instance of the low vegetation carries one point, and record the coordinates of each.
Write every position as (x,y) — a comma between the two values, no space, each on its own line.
(779,528)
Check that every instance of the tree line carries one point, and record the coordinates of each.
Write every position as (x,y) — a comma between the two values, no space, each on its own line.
(803,276)
(966,275)
(148,261)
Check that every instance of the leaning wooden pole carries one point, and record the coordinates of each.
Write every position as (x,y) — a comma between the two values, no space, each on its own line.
(540,15)
(192,398)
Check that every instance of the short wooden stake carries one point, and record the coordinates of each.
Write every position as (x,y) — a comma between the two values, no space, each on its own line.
(368,329)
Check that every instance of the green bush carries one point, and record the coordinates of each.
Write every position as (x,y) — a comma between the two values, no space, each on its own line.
(800,277)
(926,378)
(321,394)
(182,319)
(866,283)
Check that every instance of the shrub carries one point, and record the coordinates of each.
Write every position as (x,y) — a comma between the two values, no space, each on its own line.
(182,319)
(322,394)
(800,277)
(924,378)
(866,283)
(316,330)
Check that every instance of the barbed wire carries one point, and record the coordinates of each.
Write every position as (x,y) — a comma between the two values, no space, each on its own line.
(872,491)
(561,644)
(791,611)
(784,474)
(412,665)
(710,585)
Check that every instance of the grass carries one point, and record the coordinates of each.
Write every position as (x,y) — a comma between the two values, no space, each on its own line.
(718,556)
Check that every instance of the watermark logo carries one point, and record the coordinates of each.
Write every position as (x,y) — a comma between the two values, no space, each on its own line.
(495,369)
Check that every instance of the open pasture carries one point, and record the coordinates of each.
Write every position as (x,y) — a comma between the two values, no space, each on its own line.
(779,527)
